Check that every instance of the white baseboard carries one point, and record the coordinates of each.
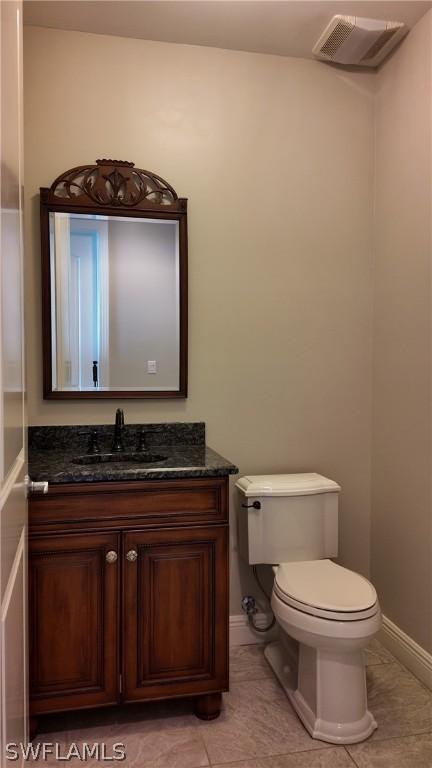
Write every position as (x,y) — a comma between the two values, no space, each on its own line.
(407,651)
(241,632)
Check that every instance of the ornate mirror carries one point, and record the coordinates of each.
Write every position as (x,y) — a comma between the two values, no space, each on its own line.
(114,284)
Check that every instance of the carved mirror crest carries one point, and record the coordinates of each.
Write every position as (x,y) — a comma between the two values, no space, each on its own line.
(114,282)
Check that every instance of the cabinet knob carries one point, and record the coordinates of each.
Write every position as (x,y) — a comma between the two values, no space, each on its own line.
(111,556)
(132,555)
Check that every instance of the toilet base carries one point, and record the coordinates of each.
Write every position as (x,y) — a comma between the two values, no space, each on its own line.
(294,679)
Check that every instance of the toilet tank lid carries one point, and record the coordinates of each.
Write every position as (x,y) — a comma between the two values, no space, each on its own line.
(300,484)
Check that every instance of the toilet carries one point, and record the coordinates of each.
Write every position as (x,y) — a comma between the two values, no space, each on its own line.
(326,614)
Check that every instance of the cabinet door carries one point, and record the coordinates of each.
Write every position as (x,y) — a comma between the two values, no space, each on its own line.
(175,612)
(74,589)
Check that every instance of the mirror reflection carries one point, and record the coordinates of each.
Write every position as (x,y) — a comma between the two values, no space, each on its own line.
(115,303)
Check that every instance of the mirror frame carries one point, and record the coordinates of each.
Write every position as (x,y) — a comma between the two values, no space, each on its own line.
(114,188)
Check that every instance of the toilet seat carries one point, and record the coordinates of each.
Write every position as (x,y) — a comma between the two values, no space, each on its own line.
(327,590)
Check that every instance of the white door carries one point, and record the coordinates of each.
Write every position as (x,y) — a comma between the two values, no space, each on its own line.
(13,507)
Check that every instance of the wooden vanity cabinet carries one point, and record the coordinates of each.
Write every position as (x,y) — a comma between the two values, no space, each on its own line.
(174,612)
(129,594)
(73,619)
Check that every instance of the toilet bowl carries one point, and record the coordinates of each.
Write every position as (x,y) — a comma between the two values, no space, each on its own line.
(333,614)
(326,614)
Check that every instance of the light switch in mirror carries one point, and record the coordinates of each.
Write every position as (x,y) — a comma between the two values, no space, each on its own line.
(114,259)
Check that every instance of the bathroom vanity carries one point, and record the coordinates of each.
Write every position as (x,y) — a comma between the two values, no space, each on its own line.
(128,569)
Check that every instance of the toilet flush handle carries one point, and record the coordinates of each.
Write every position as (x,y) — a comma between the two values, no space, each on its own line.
(254,505)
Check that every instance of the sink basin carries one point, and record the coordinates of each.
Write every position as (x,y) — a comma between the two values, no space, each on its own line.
(140,457)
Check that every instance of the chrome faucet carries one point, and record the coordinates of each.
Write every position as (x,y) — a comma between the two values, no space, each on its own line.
(117,445)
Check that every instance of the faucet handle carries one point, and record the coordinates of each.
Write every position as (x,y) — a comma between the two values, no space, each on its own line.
(93,442)
(142,435)
(141,442)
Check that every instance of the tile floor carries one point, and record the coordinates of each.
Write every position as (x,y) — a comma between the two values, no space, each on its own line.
(258,728)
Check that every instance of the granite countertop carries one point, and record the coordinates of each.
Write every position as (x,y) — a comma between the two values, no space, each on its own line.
(52,451)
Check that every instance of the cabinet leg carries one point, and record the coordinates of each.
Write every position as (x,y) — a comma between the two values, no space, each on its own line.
(208,707)
(33,727)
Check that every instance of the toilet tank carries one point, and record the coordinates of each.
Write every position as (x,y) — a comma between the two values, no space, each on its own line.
(284,518)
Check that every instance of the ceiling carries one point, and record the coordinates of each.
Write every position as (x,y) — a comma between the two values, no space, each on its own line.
(282,27)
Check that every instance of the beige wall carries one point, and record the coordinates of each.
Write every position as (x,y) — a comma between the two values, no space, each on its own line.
(401,519)
(275,156)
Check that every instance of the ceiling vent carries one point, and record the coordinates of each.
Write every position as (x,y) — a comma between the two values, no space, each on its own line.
(364,42)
